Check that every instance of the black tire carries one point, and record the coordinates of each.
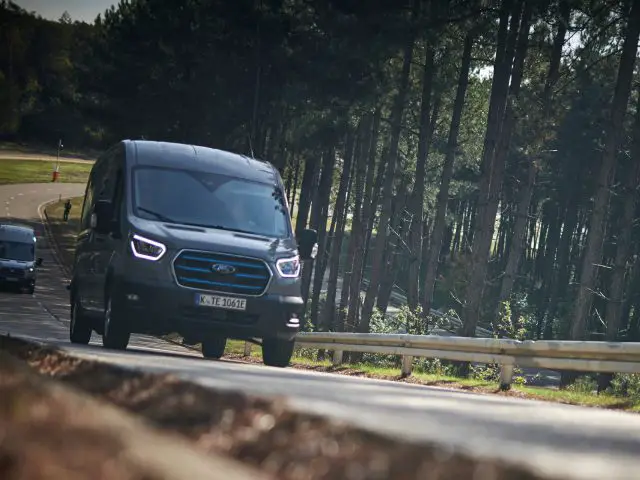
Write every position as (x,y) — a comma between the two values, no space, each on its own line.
(80,326)
(116,332)
(276,352)
(31,289)
(213,347)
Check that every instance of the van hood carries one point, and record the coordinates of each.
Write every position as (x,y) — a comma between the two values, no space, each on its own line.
(179,237)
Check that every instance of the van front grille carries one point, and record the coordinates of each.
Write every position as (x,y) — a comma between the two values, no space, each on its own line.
(11,272)
(219,272)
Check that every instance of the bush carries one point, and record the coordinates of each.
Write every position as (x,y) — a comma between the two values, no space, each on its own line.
(506,327)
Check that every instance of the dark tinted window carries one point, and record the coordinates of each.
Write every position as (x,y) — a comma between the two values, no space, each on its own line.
(210,200)
(21,251)
(86,206)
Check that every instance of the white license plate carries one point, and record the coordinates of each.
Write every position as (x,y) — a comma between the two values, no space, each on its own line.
(216,301)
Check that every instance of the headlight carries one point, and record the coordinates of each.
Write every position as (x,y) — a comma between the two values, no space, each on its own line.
(147,249)
(289,267)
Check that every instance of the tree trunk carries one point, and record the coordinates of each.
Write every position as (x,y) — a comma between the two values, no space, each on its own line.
(320,216)
(519,234)
(613,313)
(362,228)
(470,227)
(394,245)
(309,181)
(560,282)
(295,183)
(416,203)
(593,250)
(633,330)
(439,223)
(356,224)
(387,191)
(499,128)
(457,236)
(308,196)
(547,271)
(328,311)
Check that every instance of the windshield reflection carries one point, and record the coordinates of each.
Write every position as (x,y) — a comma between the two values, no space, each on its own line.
(210,200)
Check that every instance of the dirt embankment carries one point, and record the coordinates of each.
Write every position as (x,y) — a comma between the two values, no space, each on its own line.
(48,431)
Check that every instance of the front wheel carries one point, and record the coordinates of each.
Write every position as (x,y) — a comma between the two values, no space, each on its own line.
(276,352)
(213,347)
(80,327)
(116,331)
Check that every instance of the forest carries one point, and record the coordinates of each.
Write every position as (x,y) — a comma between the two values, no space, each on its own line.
(479,157)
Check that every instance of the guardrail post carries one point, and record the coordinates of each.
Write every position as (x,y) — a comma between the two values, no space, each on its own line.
(506,376)
(337,357)
(407,364)
(247,349)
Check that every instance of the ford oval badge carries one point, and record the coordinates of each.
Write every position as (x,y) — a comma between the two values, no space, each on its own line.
(223,268)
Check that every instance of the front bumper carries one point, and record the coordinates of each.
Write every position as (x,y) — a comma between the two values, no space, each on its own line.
(17,281)
(158,308)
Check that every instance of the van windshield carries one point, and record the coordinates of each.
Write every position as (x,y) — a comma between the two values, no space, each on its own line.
(21,251)
(210,200)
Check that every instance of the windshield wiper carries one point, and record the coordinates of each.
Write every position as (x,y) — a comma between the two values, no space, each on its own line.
(159,216)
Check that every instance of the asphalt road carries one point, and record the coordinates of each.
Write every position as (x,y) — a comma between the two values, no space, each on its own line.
(568,441)
(45,315)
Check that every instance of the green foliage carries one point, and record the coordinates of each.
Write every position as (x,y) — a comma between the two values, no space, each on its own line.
(504,326)
(626,385)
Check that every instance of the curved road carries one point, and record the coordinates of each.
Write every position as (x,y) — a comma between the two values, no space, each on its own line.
(568,441)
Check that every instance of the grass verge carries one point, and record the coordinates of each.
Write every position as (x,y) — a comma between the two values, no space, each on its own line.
(37,171)
(261,433)
(13,149)
(576,395)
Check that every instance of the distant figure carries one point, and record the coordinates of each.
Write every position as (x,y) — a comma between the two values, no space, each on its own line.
(67,209)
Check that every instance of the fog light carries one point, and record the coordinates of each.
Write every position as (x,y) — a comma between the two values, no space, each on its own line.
(133,297)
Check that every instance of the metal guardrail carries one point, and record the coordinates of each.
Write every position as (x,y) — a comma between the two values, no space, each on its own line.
(587,356)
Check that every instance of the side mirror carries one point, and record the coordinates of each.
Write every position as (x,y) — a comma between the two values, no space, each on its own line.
(101,217)
(39,262)
(307,244)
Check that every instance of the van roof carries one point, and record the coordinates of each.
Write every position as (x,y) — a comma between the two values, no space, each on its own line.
(17,232)
(203,159)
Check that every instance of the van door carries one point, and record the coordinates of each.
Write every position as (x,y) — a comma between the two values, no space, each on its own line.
(89,242)
(106,245)
(81,264)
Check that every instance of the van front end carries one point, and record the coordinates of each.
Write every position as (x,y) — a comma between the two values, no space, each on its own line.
(203,292)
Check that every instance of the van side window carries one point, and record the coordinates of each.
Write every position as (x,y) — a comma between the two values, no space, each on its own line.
(85,221)
(118,194)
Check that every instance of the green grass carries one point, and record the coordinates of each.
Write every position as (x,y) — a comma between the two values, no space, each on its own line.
(36,171)
(49,150)
(566,396)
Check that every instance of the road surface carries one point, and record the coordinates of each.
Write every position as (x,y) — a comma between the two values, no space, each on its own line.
(568,441)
